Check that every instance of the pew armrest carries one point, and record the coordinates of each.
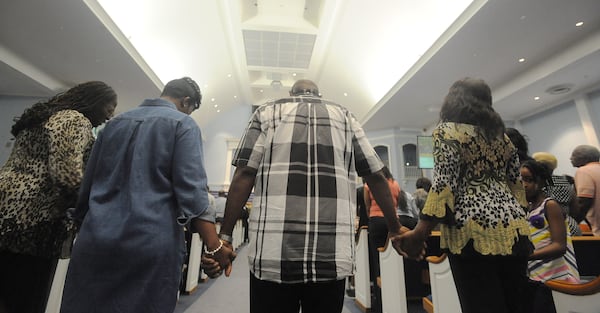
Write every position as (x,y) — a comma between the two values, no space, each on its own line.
(584,289)
(436,259)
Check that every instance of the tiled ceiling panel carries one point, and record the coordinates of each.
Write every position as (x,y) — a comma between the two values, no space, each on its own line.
(278,49)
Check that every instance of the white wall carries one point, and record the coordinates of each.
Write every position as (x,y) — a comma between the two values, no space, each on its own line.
(10,107)
(557,131)
(560,129)
(395,139)
(230,125)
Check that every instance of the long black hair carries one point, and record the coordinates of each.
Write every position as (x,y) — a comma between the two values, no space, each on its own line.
(520,142)
(469,101)
(84,98)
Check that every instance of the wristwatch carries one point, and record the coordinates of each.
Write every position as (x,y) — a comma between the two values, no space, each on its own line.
(226,237)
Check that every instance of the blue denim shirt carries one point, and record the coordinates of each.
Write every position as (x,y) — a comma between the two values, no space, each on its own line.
(144,179)
(146,169)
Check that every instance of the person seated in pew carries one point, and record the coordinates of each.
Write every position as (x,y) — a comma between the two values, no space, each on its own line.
(553,257)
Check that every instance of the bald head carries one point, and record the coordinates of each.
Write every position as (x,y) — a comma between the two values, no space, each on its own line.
(584,154)
(305,87)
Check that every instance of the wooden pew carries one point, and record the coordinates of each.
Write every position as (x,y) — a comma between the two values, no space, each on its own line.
(362,278)
(58,284)
(580,298)
(193,264)
(587,253)
(393,287)
(443,290)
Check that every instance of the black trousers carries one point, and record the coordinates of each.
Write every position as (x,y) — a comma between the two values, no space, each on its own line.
(491,283)
(271,297)
(378,233)
(25,282)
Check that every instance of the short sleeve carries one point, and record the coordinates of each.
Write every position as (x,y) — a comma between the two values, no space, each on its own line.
(584,182)
(366,159)
(251,148)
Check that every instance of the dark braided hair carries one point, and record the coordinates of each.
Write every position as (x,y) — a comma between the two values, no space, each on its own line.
(84,98)
(469,101)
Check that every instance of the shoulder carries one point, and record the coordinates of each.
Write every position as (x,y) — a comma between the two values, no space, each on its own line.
(457,131)
(68,118)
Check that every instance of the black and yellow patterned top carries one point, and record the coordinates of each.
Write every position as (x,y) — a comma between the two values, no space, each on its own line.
(476,192)
(40,181)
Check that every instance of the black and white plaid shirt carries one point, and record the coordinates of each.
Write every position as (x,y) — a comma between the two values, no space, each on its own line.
(307,152)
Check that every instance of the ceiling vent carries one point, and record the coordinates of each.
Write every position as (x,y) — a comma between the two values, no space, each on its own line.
(278,49)
(559,89)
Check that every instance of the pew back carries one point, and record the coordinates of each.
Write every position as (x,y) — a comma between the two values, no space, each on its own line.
(362,279)
(443,289)
(393,288)
(587,253)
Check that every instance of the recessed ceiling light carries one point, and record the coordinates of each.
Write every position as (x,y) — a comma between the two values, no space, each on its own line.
(294,74)
(218,111)
(536,98)
(261,90)
(579,24)
(521,60)
(234,97)
(216,105)
(345,94)
(228,75)
(212,99)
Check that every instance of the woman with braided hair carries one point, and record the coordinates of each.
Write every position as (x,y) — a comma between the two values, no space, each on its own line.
(38,183)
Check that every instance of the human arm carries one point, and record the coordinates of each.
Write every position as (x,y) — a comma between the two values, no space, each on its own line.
(239,191)
(82,206)
(585,188)
(69,138)
(558,233)
(223,254)
(189,189)
(380,190)
(413,242)
(581,207)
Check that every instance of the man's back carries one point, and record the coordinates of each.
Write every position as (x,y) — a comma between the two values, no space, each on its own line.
(305,151)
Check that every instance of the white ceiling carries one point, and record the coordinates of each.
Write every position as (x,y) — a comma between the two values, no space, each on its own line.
(387,56)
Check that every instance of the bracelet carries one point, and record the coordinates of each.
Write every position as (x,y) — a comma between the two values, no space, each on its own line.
(226,237)
(214,251)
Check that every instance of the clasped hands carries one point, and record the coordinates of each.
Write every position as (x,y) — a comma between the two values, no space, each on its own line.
(409,243)
(220,262)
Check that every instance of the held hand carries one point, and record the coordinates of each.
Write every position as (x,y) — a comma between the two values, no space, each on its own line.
(412,244)
(224,257)
(396,240)
(211,267)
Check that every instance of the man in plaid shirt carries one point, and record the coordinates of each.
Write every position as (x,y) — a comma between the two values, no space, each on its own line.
(302,155)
